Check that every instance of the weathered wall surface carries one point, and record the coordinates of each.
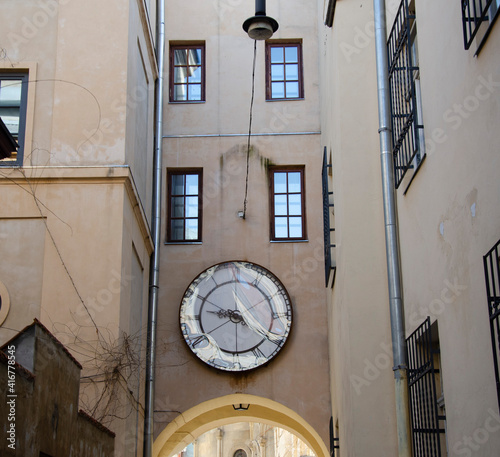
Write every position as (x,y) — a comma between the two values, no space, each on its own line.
(213,136)
(40,407)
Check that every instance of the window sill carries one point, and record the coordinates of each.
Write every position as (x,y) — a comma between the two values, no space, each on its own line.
(10,165)
(412,176)
(289,241)
(182,243)
(187,102)
(285,99)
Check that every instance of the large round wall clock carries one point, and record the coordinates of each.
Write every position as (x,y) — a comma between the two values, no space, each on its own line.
(236,316)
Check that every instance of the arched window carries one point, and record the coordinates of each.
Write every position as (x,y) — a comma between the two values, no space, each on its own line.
(240,453)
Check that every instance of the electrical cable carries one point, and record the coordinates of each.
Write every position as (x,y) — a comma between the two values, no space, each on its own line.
(245,201)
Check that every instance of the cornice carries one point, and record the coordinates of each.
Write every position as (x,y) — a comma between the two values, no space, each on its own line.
(118,174)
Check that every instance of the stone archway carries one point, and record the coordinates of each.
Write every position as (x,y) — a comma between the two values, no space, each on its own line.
(207,415)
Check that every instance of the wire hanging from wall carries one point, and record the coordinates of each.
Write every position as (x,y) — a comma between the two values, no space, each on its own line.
(245,201)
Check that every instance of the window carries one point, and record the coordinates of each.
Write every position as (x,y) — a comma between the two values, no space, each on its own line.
(427,407)
(287,204)
(334,442)
(184,205)
(478,17)
(328,223)
(492,275)
(284,70)
(187,72)
(406,107)
(240,453)
(13,100)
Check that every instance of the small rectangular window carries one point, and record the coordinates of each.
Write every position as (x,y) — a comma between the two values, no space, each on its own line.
(287,204)
(425,386)
(328,223)
(184,205)
(284,80)
(406,106)
(13,101)
(187,72)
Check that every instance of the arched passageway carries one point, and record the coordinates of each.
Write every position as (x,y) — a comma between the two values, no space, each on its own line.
(220,411)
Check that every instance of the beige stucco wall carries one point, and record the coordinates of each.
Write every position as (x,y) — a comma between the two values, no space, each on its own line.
(75,220)
(450,218)
(359,326)
(213,135)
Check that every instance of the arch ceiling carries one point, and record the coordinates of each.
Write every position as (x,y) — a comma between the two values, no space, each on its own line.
(186,427)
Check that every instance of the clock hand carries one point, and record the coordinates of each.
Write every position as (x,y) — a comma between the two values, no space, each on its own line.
(222,314)
(234,316)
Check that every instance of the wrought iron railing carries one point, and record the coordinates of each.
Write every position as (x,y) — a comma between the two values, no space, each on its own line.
(404,109)
(425,417)
(330,266)
(476,13)
(492,276)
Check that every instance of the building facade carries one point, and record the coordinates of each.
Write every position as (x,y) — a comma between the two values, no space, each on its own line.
(443,72)
(78,96)
(259,205)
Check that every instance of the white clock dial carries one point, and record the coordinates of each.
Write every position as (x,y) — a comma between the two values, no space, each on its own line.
(236,316)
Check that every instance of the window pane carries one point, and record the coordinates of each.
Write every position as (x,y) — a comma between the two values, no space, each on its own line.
(276,55)
(191,229)
(10,92)
(291,54)
(10,117)
(294,182)
(180,75)
(280,227)
(292,72)
(280,205)
(279,183)
(178,207)
(180,57)
(177,184)
(295,227)
(292,90)
(191,184)
(191,206)
(278,90)
(180,92)
(194,56)
(277,73)
(194,92)
(195,75)
(295,205)
(178,229)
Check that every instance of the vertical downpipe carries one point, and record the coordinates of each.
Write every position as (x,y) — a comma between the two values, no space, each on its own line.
(155,234)
(391,234)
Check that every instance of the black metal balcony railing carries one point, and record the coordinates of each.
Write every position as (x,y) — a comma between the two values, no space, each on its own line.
(330,267)
(492,276)
(402,73)
(425,418)
(476,13)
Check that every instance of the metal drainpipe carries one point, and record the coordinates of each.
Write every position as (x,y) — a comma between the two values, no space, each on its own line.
(391,234)
(155,234)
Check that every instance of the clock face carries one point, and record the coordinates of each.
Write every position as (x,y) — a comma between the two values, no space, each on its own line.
(236,316)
